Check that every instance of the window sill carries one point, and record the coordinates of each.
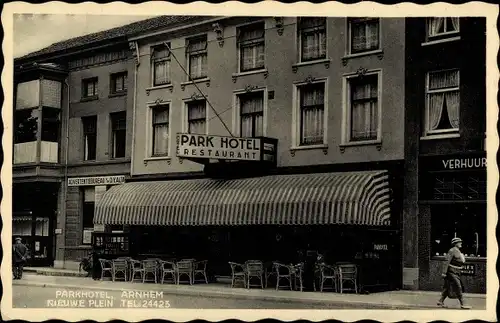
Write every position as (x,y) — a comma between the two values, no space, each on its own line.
(114,95)
(471,259)
(377,143)
(169,86)
(89,98)
(325,61)
(99,162)
(240,74)
(440,136)
(440,41)
(166,158)
(203,80)
(324,147)
(378,52)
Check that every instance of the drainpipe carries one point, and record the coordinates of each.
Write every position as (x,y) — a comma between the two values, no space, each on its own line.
(135,47)
(63,218)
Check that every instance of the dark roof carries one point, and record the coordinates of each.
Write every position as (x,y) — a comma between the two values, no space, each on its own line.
(117,33)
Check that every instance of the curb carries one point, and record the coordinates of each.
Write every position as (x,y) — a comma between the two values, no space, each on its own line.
(54,273)
(286,299)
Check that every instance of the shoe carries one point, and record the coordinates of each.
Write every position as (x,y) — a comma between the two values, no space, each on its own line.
(465,307)
(440,304)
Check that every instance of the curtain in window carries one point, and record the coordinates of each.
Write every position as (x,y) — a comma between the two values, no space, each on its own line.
(160,132)
(197,118)
(251,104)
(364,35)
(455,23)
(313,45)
(246,125)
(198,66)
(453,105)
(251,34)
(444,79)
(251,110)
(364,111)
(162,72)
(198,44)
(436,101)
(435,25)
(252,57)
(312,113)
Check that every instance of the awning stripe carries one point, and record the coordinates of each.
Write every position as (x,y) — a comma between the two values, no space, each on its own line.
(326,198)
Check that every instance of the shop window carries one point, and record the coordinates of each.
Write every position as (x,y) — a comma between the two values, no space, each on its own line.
(160,130)
(442,102)
(312,38)
(251,45)
(118,134)
(25,126)
(88,210)
(42,227)
(364,35)
(118,83)
(160,62)
(442,27)
(197,117)
(311,114)
(89,137)
(51,123)
(22,225)
(89,87)
(251,106)
(467,221)
(458,186)
(196,50)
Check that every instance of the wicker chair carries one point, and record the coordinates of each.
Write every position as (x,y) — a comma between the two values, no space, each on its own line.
(283,272)
(254,269)
(120,266)
(348,273)
(150,267)
(200,268)
(328,273)
(167,268)
(185,268)
(106,266)
(237,273)
(136,268)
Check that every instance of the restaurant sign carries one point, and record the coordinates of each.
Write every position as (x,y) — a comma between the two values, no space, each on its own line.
(96,181)
(468,270)
(194,146)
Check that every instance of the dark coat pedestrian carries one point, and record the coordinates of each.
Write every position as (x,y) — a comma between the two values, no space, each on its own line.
(20,256)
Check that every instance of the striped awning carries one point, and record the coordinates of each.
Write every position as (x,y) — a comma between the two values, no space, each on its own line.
(361,198)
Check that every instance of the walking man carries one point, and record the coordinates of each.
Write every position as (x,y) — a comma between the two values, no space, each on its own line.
(453,287)
(20,256)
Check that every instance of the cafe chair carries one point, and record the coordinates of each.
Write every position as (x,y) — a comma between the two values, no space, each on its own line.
(237,273)
(200,268)
(348,273)
(254,269)
(136,268)
(167,268)
(120,266)
(283,272)
(328,273)
(106,266)
(185,268)
(150,268)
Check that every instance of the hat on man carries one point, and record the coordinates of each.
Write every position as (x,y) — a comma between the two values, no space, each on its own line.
(454,241)
(18,239)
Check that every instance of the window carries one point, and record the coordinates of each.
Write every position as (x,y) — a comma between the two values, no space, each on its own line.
(312,38)
(89,87)
(467,221)
(455,186)
(160,118)
(118,134)
(311,113)
(442,26)
(89,137)
(443,102)
(251,114)
(161,65)
(25,126)
(364,34)
(251,47)
(88,214)
(118,83)
(197,117)
(363,108)
(50,124)
(197,57)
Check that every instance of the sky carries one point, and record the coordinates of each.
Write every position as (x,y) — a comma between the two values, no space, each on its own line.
(36,31)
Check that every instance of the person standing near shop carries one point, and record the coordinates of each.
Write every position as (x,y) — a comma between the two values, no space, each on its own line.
(453,287)
(20,256)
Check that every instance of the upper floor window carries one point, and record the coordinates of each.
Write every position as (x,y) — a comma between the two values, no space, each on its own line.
(363,114)
(443,102)
(442,26)
(197,57)
(251,47)
(51,122)
(311,114)
(89,137)
(89,87)
(25,126)
(197,117)
(312,38)
(118,134)
(251,106)
(364,34)
(118,82)
(160,57)
(160,130)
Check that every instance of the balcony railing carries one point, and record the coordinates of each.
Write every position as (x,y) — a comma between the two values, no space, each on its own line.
(26,152)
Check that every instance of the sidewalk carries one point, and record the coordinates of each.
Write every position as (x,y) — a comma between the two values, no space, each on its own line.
(384,300)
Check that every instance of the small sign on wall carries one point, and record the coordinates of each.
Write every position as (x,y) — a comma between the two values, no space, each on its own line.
(87,236)
(468,270)
(58,231)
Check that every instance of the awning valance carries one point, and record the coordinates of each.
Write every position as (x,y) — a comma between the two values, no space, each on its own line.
(361,198)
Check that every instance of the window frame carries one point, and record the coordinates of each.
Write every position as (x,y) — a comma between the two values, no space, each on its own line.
(83,203)
(442,35)
(299,40)
(450,131)
(51,121)
(84,120)
(113,118)
(190,54)
(347,108)
(160,60)
(149,149)
(85,83)
(350,21)
(20,137)
(297,115)
(113,79)
(237,110)
(185,115)
(241,44)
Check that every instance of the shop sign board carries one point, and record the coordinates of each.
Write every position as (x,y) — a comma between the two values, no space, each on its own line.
(199,146)
(465,161)
(97,180)
(468,270)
